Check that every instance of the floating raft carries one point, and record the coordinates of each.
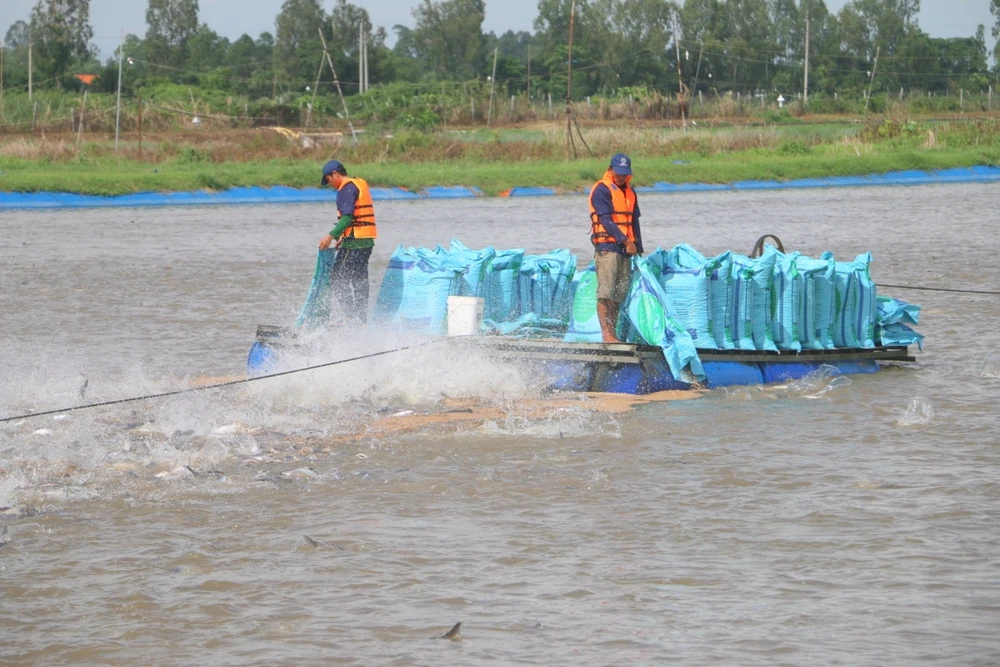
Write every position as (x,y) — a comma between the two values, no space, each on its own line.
(625,368)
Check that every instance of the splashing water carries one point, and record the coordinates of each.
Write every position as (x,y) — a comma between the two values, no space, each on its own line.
(920,411)
(991,364)
(817,384)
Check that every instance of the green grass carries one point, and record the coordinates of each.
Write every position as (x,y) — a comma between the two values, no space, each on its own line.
(115,177)
(496,161)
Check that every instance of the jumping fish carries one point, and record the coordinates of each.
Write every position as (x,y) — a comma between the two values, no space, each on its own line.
(316,544)
(4,537)
(454,633)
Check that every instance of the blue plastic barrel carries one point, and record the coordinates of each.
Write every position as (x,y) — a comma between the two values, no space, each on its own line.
(626,379)
(785,372)
(567,375)
(262,359)
(729,373)
(657,377)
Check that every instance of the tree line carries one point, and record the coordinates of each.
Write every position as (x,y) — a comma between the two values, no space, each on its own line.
(715,46)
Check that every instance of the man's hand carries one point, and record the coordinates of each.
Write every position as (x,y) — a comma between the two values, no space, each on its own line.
(630,248)
(325,242)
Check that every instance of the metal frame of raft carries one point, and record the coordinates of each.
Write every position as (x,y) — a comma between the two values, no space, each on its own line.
(626,368)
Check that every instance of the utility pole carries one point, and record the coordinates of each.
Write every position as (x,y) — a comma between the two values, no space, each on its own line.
(315,88)
(870,83)
(680,81)
(361,58)
(697,70)
(529,76)
(30,73)
(118,106)
(493,82)
(1,82)
(805,80)
(140,129)
(569,84)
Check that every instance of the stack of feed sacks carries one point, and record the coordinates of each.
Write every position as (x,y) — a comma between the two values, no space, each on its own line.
(515,287)
(775,302)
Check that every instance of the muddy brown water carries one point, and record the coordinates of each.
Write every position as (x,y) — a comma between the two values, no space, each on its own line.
(819,522)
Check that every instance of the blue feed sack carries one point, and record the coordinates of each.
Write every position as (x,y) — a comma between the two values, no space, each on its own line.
(855,310)
(473,263)
(751,301)
(316,309)
(789,298)
(545,285)
(898,334)
(816,326)
(414,294)
(896,311)
(683,274)
(719,276)
(646,310)
(584,326)
(390,294)
(500,285)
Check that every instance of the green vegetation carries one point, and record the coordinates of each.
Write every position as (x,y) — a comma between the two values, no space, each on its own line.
(497,161)
(735,59)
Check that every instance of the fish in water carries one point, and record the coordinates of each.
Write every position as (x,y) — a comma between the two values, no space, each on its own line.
(82,379)
(4,537)
(454,633)
(316,544)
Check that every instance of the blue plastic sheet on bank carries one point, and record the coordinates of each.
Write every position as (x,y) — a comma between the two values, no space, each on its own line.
(287,195)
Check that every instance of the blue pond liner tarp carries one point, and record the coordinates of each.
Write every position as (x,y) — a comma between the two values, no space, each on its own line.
(383,194)
(287,195)
(530,192)
(662,186)
(450,192)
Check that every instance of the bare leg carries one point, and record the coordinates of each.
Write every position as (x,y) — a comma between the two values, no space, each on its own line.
(607,314)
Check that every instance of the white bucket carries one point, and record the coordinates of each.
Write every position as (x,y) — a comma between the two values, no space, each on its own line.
(465,315)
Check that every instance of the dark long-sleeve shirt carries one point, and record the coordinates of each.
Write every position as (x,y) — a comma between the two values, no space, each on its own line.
(347,198)
(603,206)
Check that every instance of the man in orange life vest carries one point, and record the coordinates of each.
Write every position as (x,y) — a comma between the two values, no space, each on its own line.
(614,231)
(354,237)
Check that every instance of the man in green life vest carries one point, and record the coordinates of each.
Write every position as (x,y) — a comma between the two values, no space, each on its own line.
(353,236)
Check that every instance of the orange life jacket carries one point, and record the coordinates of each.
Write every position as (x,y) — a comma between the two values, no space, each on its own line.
(363,225)
(623,210)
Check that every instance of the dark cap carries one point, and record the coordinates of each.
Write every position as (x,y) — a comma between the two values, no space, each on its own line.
(621,164)
(331,167)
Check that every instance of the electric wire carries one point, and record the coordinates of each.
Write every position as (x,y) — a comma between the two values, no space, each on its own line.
(231,383)
(941,289)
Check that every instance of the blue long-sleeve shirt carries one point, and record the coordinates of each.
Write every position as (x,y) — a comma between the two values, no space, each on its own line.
(603,206)
(347,199)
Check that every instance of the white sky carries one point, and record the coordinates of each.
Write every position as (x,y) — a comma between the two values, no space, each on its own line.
(232,18)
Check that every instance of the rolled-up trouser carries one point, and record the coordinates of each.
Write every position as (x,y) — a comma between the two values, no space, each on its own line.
(614,275)
(349,281)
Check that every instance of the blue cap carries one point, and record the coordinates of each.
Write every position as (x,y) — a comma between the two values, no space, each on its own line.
(621,164)
(330,167)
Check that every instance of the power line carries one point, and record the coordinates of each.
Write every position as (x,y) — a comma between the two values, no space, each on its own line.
(215,386)
(941,289)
